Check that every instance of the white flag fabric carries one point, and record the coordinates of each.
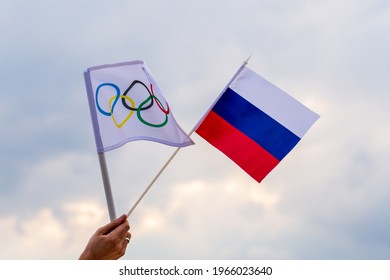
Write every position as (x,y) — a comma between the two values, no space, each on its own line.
(126,104)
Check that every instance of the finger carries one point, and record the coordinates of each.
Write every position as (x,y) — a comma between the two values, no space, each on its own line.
(121,230)
(112,225)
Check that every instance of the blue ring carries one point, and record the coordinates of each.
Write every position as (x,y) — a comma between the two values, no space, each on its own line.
(116,98)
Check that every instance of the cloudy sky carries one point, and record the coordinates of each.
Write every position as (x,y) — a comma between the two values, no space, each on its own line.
(328,199)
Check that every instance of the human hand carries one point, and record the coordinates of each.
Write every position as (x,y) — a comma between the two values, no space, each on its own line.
(108,242)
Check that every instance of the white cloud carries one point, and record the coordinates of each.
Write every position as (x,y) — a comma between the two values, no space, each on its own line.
(43,235)
(208,220)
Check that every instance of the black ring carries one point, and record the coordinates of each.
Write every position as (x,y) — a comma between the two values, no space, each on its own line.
(127,91)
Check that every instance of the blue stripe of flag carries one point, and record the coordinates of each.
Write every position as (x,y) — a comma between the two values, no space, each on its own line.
(256,124)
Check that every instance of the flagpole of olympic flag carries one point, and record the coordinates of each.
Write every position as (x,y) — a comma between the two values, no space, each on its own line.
(178,149)
(107,186)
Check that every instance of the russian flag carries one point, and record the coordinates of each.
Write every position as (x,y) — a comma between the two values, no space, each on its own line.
(255,123)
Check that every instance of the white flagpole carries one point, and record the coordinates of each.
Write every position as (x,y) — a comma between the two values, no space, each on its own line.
(154,180)
(192,131)
(222,92)
(107,186)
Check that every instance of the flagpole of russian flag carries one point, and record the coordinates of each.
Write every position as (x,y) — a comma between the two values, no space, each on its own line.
(222,92)
(189,134)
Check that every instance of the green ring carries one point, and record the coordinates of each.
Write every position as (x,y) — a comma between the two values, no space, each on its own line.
(148,123)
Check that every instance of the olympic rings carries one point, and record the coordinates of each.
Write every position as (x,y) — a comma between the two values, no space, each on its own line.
(126,100)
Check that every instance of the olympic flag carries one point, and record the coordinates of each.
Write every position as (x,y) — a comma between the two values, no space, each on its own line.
(255,123)
(126,104)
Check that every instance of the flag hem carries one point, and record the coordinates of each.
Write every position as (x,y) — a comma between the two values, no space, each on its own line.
(173,144)
(92,110)
(133,62)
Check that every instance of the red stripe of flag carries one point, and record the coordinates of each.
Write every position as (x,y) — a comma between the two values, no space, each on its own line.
(245,152)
